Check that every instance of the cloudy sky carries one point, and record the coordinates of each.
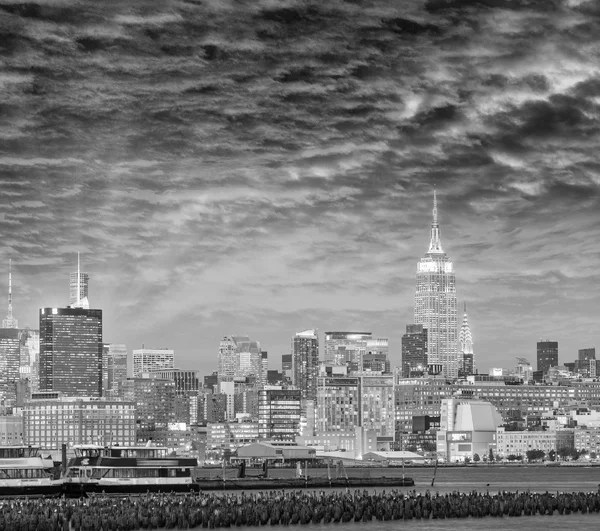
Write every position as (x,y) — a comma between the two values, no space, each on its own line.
(262,167)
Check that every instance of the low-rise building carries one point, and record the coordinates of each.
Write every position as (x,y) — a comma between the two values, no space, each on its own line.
(50,422)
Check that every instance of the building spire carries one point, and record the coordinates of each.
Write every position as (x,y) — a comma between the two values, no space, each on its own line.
(10,321)
(435,244)
(78,282)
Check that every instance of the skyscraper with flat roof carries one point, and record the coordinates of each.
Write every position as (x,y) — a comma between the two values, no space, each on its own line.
(305,362)
(547,355)
(414,351)
(435,302)
(71,351)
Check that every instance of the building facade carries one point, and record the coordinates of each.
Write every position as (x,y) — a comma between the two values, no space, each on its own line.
(115,367)
(155,402)
(547,355)
(185,380)
(468,427)
(346,348)
(305,362)
(50,422)
(346,403)
(71,351)
(414,351)
(466,357)
(279,412)
(239,357)
(376,357)
(10,362)
(147,360)
(435,303)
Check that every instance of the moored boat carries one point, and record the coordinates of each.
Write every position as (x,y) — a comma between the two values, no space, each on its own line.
(127,470)
(25,472)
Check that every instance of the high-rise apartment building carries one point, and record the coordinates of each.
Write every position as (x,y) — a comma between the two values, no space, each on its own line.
(239,357)
(547,355)
(279,412)
(78,288)
(71,351)
(305,362)
(147,360)
(414,351)
(346,348)
(466,358)
(435,302)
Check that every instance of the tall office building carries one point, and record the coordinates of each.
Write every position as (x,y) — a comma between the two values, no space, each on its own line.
(305,362)
(30,357)
(239,357)
(414,351)
(10,321)
(71,351)
(586,354)
(78,288)
(346,348)
(435,302)
(116,366)
(547,355)
(10,355)
(467,365)
(147,360)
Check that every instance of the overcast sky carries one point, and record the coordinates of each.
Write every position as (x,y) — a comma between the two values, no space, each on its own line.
(262,167)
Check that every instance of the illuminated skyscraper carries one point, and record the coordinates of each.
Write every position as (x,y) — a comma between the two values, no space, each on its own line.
(78,284)
(10,321)
(467,365)
(435,303)
(71,351)
(305,362)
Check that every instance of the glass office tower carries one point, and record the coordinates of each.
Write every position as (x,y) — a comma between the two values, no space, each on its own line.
(71,351)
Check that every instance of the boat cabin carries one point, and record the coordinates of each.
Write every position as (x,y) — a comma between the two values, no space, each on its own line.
(15,452)
(124,452)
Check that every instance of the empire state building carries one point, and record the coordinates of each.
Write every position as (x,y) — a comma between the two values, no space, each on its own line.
(435,303)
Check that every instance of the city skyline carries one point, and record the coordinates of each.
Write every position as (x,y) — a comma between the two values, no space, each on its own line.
(249,169)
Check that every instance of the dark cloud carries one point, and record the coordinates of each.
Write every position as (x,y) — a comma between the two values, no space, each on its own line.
(279,159)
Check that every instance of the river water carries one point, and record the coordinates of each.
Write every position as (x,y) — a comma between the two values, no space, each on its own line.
(481,478)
